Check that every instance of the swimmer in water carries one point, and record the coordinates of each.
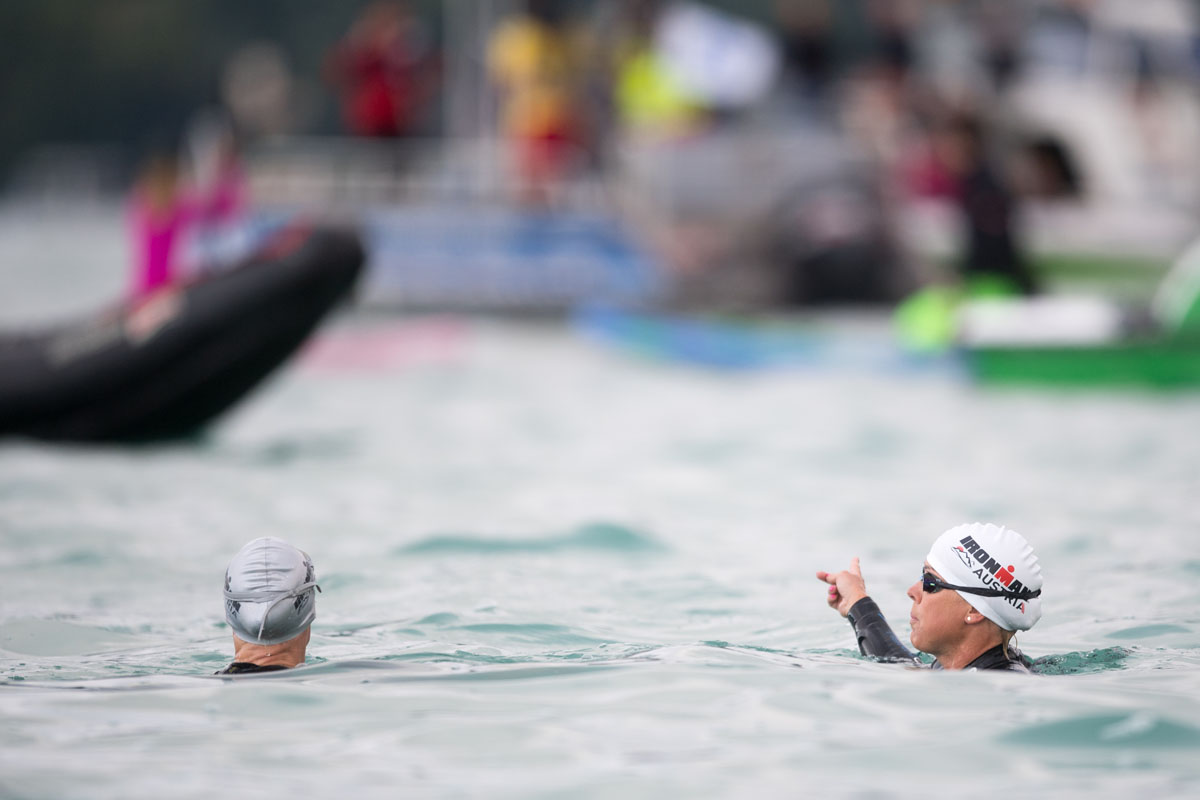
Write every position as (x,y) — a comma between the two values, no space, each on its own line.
(980,584)
(270,604)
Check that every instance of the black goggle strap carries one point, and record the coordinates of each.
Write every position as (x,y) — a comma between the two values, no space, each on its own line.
(928,581)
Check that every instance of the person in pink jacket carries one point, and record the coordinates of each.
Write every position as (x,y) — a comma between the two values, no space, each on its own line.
(163,210)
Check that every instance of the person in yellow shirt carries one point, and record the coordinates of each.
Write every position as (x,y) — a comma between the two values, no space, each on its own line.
(535,61)
(649,100)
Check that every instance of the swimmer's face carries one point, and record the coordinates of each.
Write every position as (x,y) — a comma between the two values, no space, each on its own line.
(938,620)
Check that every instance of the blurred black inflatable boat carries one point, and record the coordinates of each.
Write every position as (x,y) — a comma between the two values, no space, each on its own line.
(163,366)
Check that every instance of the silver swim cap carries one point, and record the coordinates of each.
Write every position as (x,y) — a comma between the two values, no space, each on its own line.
(269,595)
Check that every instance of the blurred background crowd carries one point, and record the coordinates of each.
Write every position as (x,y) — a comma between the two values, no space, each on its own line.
(767,153)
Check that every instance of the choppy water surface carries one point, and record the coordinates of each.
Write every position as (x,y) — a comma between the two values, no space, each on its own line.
(551,571)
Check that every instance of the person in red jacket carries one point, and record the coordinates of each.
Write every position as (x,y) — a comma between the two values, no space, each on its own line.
(381,71)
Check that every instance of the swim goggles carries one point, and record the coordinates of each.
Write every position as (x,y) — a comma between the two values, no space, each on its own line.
(271,597)
(932,584)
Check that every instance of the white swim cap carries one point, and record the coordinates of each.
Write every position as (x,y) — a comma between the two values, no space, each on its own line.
(992,557)
(260,578)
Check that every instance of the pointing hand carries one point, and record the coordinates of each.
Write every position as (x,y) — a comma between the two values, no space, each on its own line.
(845,588)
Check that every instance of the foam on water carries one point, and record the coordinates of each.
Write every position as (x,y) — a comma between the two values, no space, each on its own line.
(549,571)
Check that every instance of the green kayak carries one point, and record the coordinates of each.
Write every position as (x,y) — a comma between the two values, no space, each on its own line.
(1171,362)
(1064,342)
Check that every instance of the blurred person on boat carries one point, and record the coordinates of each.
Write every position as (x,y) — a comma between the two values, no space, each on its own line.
(991,250)
(650,102)
(218,236)
(992,261)
(536,60)
(979,585)
(809,53)
(270,603)
(382,69)
(883,98)
(165,209)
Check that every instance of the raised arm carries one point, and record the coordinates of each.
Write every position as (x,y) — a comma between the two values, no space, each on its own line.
(848,596)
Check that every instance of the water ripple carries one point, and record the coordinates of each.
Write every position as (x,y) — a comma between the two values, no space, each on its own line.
(596,536)
(1079,662)
(1133,730)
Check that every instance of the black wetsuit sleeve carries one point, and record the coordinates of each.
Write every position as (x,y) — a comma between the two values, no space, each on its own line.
(875,636)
